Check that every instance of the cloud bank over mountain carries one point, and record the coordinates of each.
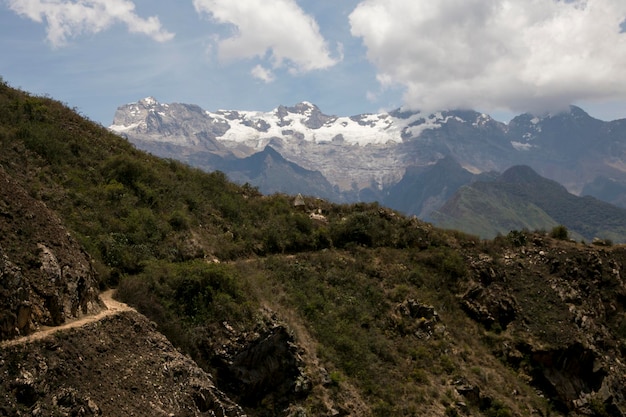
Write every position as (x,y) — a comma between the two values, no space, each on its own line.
(512,54)
(500,57)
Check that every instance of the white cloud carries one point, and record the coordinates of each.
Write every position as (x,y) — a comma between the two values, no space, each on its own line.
(67,19)
(275,30)
(262,74)
(496,54)
(371,96)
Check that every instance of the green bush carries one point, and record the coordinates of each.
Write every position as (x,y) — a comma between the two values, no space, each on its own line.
(560,232)
(124,169)
(517,238)
(498,409)
(179,220)
(357,229)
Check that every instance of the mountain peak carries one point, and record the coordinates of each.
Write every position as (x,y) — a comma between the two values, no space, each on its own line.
(525,176)
(577,111)
(304,108)
(570,112)
(149,101)
(313,116)
(520,174)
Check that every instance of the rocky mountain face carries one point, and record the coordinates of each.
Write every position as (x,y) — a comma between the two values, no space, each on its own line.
(556,324)
(46,278)
(367,156)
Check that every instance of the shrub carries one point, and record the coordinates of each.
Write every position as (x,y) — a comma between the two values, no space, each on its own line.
(179,220)
(498,409)
(517,238)
(559,232)
(357,229)
(124,169)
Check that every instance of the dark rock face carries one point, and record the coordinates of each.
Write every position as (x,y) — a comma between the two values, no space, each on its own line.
(558,308)
(567,373)
(265,367)
(45,276)
(489,307)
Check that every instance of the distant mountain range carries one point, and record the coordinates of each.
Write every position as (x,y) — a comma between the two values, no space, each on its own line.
(436,166)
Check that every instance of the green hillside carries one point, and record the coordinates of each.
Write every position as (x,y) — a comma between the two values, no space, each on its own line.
(489,212)
(522,199)
(384,315)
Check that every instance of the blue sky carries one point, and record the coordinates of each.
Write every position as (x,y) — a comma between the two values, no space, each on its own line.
(502,57)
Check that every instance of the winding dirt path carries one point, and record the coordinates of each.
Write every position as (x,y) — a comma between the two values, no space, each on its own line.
(112,307)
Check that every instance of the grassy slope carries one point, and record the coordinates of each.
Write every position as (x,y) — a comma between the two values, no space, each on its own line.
(490,212)
(529,202)
(151,225)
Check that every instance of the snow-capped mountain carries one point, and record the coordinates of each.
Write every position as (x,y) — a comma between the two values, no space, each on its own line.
(367,156)
(303,122)
(353,153)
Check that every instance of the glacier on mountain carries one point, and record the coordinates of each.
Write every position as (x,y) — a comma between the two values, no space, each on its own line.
(257,128)
(371,152)
(353,153)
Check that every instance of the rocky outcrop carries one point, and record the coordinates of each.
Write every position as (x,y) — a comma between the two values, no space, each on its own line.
(45,276)
(416,318)
(558,310)
(119,366)
(270,371)
(489,306)
(267,365)
(263,366)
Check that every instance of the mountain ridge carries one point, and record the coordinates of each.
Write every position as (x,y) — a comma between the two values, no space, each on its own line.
(404,159)
(307,136)
(374,151)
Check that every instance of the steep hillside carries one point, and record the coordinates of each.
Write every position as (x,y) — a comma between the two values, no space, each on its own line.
(607,189)
(422,191)
(294,306)
(119,366)
(47,278)
(270,172)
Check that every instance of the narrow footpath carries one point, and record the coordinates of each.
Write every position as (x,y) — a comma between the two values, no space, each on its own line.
(113,307)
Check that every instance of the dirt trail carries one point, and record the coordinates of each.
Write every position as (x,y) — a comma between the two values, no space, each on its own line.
(112,307)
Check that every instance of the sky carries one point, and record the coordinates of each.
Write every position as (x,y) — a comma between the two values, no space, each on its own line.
(501,57)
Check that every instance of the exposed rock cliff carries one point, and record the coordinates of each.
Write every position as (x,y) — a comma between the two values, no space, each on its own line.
(564,314)
(45,276)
